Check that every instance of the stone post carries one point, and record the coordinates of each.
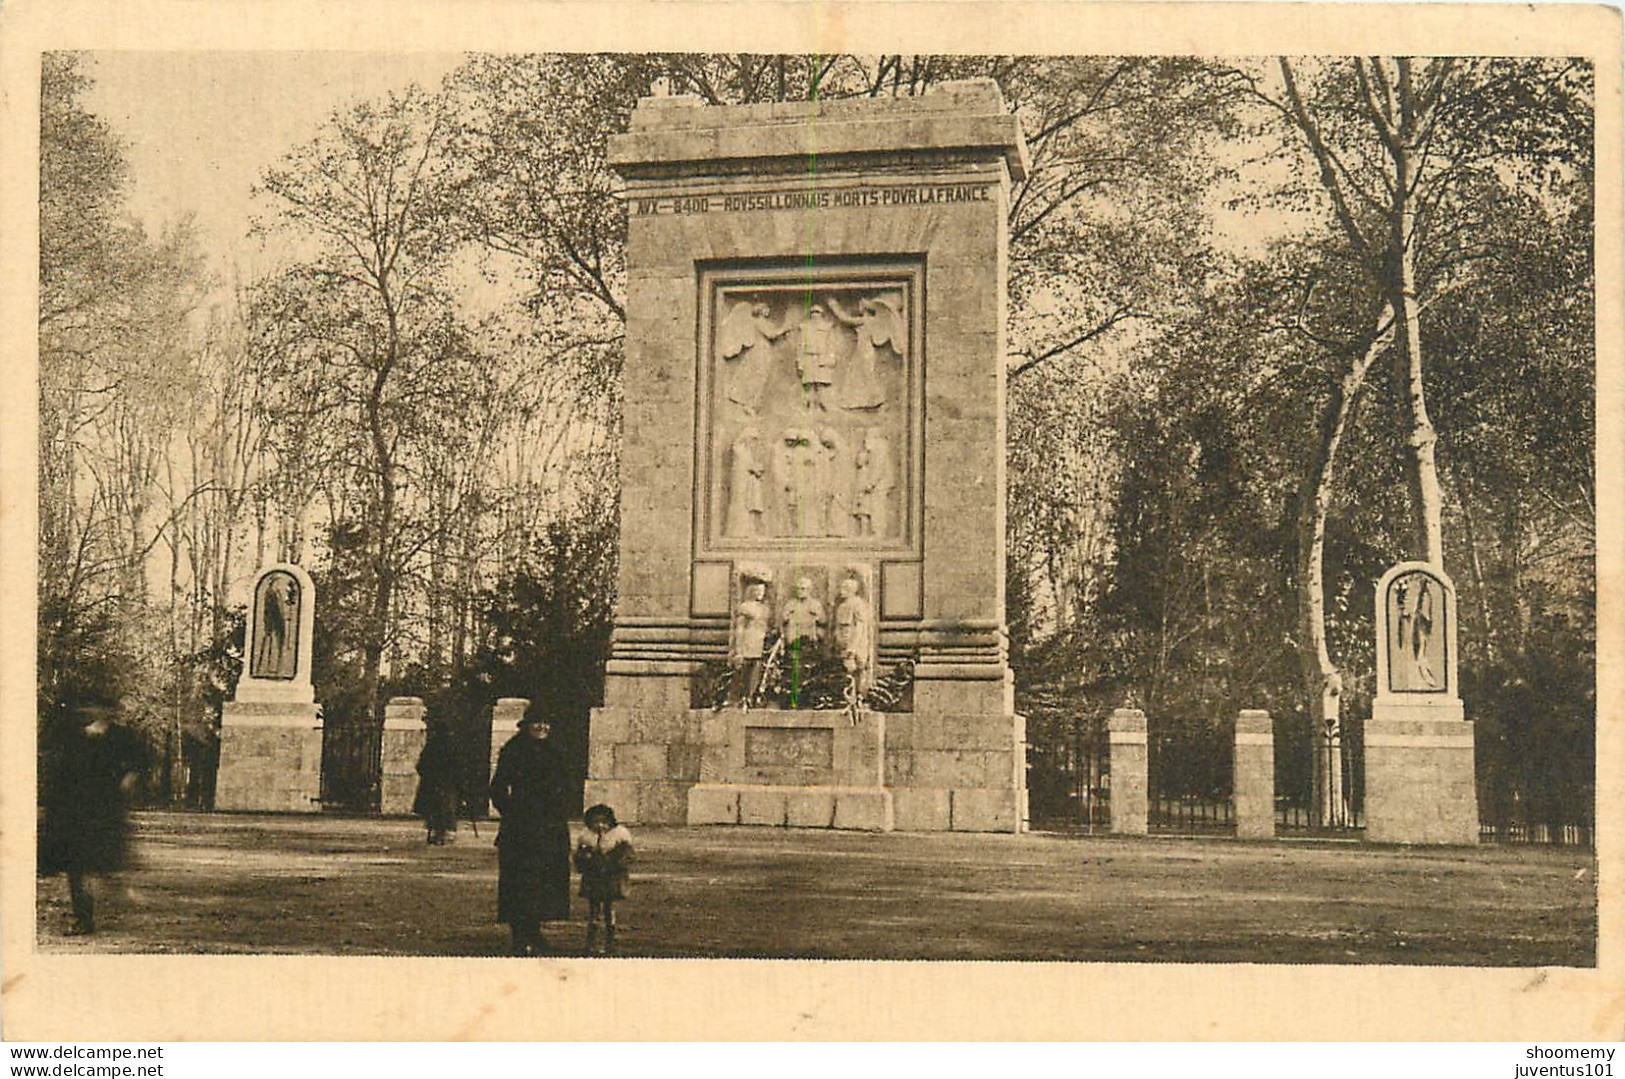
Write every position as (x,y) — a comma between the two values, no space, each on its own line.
(505,716)
(1130,798)
(404,734)
(1254,785)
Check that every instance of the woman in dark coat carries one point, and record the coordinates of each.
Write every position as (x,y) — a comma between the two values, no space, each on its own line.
(436,800)
(530,788)
(84,827)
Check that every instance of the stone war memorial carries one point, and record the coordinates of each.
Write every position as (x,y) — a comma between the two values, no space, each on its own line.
(813,489)
(1419,780)
(271,729)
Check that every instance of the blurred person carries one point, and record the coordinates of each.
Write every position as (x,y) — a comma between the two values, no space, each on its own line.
(85,825)
(436,800)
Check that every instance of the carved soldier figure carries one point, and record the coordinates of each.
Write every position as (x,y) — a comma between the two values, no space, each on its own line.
(879,328)
(823,344)
(835,505)
(799,467)
(803,618)
(752,619)
(875,483)
(747,494)
(278,615)
(745,339)
(854,632)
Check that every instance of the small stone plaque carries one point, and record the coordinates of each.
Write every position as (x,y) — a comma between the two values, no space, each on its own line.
(711,588)
(901,594)
(790,747)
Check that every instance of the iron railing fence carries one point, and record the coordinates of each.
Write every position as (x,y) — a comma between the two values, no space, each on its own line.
(1300,807)
(1190,774)
(352,767)
(1069,778)
(1571,834)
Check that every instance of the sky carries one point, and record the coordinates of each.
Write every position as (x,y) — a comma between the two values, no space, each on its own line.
(201,127)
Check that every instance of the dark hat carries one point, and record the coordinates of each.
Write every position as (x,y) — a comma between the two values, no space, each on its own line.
(597,812)
(531,719)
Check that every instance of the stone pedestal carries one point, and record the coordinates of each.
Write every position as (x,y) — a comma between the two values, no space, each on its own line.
(505,716)
(270,758)
(1131,800)
(811,769)
(789,268)
(404,735)
(1419,781)
(957,770)
(1253,790)
(1420,785)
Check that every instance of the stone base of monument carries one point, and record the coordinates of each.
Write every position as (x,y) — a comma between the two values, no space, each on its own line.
(799,769)
(815,769)
(1419,781)
(957,771)
(270,757)
(867,809)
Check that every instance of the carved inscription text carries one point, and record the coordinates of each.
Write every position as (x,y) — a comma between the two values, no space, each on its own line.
(810,749)
(837,199)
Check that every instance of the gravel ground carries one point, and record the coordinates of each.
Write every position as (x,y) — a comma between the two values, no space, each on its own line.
(227,883)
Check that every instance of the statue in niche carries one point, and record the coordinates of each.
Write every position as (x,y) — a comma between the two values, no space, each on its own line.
(799,467)
(747,491)
(752,620)
(745,340)
(854,633)
(802,624)
(876,480)
(1411,657)
(835,506)
(823,345)
(276,628)
(879,327)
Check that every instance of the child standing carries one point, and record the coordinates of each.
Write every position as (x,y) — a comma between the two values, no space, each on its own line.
(603,851)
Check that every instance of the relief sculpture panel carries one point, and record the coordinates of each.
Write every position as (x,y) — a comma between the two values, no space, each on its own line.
(809,412)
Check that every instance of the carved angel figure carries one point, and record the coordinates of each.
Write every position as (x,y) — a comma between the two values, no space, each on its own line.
(1414,669)
(745,340)
(880,328)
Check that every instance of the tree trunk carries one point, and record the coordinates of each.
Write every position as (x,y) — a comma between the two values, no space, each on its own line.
(1322,683)
(383,593)
(1427,499)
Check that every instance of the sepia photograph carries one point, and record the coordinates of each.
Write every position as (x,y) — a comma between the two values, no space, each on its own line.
(1074,511)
